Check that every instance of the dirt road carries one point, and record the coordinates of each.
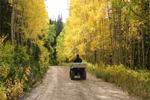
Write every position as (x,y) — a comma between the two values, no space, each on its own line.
(58,86)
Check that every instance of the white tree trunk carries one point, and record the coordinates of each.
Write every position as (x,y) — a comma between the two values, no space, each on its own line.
(12,23)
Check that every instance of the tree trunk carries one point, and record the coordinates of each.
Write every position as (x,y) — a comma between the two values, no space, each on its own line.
(143,49)
(131,54)
(12,23)
(126,41)
(110,32)
(120,37)
(95,56)
(114,35)
(22,24)
(139,53)
(142,32)
(133,61)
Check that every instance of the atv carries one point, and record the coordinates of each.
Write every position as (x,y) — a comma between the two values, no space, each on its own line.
(78,69)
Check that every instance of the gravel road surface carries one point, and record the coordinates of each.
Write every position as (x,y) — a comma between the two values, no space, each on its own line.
(57,86)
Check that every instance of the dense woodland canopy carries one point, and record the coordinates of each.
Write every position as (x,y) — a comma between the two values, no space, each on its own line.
(113,39)
(104,33)
(109,31)
(27,45)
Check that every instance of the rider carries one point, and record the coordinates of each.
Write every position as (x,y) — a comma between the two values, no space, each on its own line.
(78,59)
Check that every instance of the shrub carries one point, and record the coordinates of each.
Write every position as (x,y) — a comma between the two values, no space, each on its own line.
(2,93)
(90,68)
(20,69)
(21,57)
(136,82)
(102,74)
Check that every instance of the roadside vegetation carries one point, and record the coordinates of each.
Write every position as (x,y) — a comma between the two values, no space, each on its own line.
(19,71)
(136,82)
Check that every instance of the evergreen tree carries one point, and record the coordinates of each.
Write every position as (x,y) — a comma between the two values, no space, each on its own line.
(58,28)
(59,25)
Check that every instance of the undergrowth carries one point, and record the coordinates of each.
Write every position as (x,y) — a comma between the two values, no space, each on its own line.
(19,71)
(136,82)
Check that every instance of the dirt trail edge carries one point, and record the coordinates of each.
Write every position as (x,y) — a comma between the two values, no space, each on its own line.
(57,86)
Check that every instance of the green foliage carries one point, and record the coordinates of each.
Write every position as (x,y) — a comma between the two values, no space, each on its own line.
(6,55)
(19,70)
(4,71)
(59,25)
(51,34)
(24,61)
(50,39)
(44,58)
(91,68)
(5,18)
(21,56)
(6,59)
(60,47)
(135,82)
(102,74)
(58,28)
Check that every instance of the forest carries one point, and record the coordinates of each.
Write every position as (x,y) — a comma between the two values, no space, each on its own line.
(27,45)
(111,36)
(109,31)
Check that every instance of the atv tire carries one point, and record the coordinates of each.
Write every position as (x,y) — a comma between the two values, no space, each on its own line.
(72,74)
(83,75)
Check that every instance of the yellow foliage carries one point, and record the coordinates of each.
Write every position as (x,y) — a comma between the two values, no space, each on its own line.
(4,70)
(2,94)
(94,25)
(28,71)
(85,28)
(17,89)
(44,58)
(2,39)
(34,18)
(134,81)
